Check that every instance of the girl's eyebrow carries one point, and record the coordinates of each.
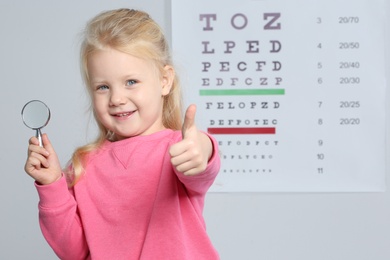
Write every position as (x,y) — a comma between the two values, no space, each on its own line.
(132,75)
(95,82)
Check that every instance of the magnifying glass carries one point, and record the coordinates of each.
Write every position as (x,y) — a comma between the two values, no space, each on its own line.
(36,115)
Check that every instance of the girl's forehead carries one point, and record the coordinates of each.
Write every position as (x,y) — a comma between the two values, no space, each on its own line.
(124,57)
(106,63)
(111,53)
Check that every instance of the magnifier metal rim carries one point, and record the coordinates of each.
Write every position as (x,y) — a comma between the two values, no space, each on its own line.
(48,118)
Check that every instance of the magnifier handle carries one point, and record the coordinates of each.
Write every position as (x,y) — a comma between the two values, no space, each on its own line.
(38,135)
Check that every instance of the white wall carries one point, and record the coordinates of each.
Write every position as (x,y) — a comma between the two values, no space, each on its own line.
(39,59)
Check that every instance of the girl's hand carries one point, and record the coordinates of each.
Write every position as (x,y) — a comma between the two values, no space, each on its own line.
(42,162)
(191,155)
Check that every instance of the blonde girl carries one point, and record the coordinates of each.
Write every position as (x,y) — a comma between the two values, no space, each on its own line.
(138,191)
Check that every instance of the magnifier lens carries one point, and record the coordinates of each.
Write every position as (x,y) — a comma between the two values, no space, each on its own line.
(36,115)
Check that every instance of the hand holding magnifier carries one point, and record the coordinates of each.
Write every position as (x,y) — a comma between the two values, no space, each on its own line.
(36,115)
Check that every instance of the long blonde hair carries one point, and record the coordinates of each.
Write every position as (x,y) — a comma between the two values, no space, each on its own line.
(135,33)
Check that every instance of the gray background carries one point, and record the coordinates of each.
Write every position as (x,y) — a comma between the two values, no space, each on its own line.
(39,60)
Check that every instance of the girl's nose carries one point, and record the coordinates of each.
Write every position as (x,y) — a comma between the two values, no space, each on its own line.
(117,98)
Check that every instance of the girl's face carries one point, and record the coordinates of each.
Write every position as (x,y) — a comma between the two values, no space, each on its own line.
(127,92)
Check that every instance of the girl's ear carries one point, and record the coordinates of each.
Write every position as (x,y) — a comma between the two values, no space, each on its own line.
(167,79)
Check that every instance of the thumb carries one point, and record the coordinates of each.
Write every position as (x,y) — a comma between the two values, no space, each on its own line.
(189,120)
(47,144)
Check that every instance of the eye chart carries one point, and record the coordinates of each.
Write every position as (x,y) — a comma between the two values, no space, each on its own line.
(293,91)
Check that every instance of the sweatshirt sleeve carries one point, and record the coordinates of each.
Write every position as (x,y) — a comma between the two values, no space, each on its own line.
(200,183)
(60,222)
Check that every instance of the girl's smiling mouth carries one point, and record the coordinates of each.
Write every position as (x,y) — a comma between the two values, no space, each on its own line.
(123,114)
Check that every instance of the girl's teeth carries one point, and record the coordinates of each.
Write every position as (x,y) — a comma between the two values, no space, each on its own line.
(122,115)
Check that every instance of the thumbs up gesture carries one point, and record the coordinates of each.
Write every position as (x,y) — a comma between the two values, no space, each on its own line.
(191,155)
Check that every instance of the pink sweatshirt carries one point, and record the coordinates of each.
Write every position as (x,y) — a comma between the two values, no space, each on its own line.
(130,204)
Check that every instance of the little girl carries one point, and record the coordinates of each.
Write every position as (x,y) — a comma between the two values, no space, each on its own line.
(138,191)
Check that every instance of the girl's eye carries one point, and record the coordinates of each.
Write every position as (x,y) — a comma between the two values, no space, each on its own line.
(102,87)
(131,82)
